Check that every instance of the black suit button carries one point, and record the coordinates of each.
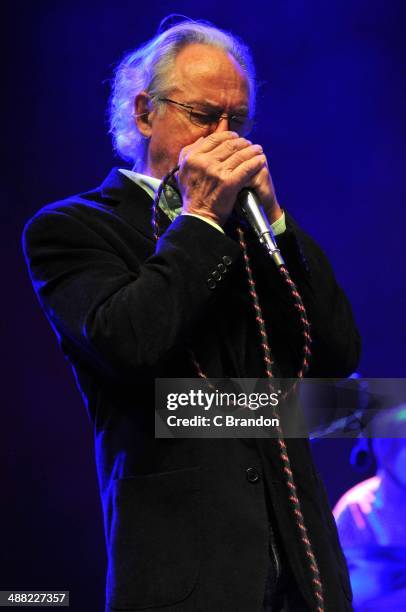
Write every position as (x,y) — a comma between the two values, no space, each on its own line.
(211,283)
(216,275)
(227,260)
(252,475)
(221,268)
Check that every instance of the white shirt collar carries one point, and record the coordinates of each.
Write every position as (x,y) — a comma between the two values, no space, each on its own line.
(150,184)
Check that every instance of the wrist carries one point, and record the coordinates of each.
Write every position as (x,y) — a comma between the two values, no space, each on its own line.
(274,213)
(204,213)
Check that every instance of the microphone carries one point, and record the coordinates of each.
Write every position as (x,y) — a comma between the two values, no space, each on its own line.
(251,208)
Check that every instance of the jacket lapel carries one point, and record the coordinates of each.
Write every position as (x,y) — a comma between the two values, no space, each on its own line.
(131,203)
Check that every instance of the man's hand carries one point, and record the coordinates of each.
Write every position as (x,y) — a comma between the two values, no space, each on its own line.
(213,170)
(262,184)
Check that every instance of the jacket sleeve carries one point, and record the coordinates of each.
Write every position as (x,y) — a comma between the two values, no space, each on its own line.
(336,343)
(123,320)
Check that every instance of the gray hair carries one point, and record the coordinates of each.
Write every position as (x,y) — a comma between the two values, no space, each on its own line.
(147,69)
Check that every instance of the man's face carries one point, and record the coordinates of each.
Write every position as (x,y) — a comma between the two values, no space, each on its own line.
(206,78)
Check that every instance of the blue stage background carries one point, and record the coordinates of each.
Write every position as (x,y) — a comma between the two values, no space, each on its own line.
(331,117)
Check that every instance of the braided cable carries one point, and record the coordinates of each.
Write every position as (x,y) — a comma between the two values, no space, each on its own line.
(268,361)
(258,310)
(283,452)
(298,303)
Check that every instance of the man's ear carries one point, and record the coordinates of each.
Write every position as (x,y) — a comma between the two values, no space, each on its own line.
(143,113)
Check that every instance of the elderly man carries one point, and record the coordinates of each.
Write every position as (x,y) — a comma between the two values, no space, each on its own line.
(229,525)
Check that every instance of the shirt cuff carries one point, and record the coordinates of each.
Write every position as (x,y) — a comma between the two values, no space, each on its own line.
(209,221)
(279,226)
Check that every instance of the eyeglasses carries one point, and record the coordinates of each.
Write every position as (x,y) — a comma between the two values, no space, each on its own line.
(236,123)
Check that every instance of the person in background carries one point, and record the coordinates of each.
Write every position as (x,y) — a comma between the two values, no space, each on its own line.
(370,523)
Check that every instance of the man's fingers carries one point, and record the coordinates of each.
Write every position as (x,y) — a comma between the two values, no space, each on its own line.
(243,173)
(214,140)
(242,155)
(188,148)
(209,143)
(226,149)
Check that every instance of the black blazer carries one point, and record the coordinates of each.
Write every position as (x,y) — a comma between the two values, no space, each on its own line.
(185,529)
